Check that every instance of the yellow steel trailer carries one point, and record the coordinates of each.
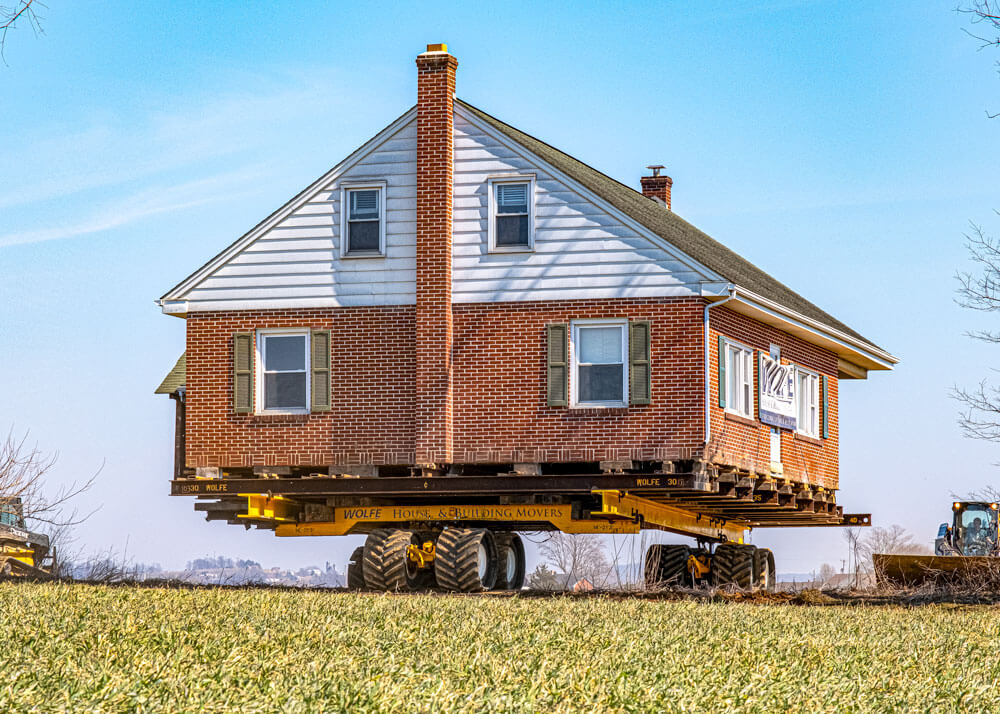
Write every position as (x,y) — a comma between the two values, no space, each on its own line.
(460,532)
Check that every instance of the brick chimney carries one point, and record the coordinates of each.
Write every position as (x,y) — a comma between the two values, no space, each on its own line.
(657,186)
(435,171)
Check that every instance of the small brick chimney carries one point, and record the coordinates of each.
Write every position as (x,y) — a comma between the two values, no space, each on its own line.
(435,182)
(657,186)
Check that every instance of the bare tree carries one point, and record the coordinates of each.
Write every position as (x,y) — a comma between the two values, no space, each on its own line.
(23,480)
(22,11)
(577,556)
(985,18)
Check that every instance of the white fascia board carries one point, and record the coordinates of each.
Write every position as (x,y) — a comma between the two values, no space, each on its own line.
(289,208)
(716,289)
(813,331)
(525,153)
(173,307)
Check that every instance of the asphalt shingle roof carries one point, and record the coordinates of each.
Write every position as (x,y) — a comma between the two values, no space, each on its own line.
(176,378)
(671,227)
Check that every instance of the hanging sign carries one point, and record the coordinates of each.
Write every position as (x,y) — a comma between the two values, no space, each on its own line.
(777,393)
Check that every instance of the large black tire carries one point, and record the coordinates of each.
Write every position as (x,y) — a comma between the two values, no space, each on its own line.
(465,560)
(666,565)
(764,573)
(510,562)
(733,564)
(356,570)
(386,565)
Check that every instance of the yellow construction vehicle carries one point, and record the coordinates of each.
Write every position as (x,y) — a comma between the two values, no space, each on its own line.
(22,553)
(965,549)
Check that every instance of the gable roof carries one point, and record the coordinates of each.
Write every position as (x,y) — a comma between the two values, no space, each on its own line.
(671,227)
(176,378)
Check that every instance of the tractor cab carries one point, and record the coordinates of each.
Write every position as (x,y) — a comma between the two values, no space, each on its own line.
(974,530)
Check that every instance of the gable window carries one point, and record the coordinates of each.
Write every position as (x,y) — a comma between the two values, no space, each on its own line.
(283,385)
(599,375)
(807,396)
(364,221)
(511,214)
(739,379)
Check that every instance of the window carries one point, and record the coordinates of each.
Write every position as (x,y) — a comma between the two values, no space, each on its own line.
(364,223)
(283,386)
(807,396)
(511,220)
(600,368)
(739,380)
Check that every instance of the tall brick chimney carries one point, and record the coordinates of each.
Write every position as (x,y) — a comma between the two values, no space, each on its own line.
(435,171)
(657,186)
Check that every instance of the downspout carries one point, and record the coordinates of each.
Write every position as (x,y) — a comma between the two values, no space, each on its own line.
(708,413)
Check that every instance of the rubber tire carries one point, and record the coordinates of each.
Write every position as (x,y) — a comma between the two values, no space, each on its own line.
(456,560)
(764,572)
(666,565)
(509,544)
(386,565)
(733,564)
(356,570)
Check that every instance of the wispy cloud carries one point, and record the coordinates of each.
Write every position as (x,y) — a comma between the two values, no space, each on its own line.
(134,207)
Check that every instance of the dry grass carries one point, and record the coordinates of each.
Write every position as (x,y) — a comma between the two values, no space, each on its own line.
(99,648)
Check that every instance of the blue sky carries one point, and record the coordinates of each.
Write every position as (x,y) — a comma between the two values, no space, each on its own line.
(842,147)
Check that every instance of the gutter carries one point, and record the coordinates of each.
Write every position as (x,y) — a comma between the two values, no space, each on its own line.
(708,412)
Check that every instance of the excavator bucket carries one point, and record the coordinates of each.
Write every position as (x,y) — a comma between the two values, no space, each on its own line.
(913,570)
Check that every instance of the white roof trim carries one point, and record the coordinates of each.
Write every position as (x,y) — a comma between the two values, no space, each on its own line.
(709,275)
(178,293)
(855,350)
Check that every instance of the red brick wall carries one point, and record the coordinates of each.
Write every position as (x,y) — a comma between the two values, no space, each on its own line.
(501,410)
(373,367)
(435,183)
(738,444)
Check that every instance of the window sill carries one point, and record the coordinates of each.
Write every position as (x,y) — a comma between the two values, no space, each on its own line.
(597,410)
(283,418)
(512,249)
(739,419)
(359,254)
(808,439)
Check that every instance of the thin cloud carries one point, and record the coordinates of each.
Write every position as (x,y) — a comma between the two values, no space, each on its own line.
(146,203)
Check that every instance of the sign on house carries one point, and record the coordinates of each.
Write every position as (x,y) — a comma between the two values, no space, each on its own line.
(777,393)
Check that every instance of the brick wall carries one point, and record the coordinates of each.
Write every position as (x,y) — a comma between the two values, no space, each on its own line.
(435,184)
(373,367)
(748,446)
(501,410)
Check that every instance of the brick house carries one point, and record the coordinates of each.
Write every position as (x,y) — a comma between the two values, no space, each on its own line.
(458,297)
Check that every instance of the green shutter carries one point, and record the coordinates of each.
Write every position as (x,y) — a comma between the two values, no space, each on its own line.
(760,380)
(558,364)
(825,416)
(722,371)
(243,372)
(639,372)
(320,370)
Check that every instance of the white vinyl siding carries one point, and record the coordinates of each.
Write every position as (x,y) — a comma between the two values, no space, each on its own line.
(579,250)
(300,262)
(282,372)
(807,401)
(739,380)
(599,363)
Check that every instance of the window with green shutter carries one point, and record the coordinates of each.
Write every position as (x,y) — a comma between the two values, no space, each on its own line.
(640,364)
(243,383)
(825,425)
(722,371)
(557,337)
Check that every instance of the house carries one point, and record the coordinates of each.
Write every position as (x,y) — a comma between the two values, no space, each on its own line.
(459,297)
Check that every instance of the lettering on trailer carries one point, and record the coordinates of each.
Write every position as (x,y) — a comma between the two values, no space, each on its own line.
(451,513)
(777,393)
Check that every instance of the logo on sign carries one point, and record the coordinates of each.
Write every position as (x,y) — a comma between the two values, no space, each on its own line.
(777,393)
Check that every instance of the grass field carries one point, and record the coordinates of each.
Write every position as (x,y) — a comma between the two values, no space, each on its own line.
(93,648)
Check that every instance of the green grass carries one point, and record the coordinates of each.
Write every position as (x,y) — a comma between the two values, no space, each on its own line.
(94,648)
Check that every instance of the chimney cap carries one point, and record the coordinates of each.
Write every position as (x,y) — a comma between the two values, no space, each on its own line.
(440,47)
(656,168)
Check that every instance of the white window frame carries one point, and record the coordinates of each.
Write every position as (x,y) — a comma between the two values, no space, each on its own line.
(260,350)
(345,210)
(574,379)
(491,199)
(813,429)
(747,353)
